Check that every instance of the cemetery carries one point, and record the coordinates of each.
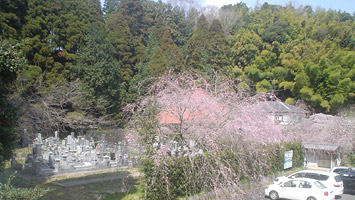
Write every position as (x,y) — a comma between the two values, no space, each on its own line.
(73,154)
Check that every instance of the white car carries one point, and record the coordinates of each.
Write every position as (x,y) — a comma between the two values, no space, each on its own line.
(341,168)
(329,179)
(299,189)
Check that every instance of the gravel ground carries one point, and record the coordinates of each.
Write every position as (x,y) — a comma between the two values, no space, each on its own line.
(256,194)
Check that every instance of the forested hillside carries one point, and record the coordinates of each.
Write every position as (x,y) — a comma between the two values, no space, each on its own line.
(70,64)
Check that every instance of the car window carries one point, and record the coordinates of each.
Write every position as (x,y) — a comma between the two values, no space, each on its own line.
(319,185)
(299,175)
(323,177)
(312,175)
(290,184)
(305,184)
(337,178)
(347,175)
(344,174)
(339,169)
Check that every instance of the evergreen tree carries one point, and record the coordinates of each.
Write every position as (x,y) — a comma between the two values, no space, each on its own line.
(129,49)
(158,64)
(12,17)
(54,32)
(217,49)
(11,61)
(98,69)
(132,12)
(110,7)
(195,50)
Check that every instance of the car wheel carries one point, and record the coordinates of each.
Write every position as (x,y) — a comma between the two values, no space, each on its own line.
(274,195)
(311,198)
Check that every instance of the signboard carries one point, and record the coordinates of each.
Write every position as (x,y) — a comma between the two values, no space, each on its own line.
(288,159)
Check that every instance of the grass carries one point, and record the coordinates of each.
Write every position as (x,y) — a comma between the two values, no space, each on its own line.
(96,190)
(75,115)
(20,154)
(17,181)
(130,188)
(134,193)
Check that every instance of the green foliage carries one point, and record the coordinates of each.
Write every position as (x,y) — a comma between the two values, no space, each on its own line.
(276,32)
(298,153)
(7,130)
(129,48)
(263,86)
(55,31)
(246,47)
(137,87)
(12,14)
(11,61)
(310,51)
(9,192)
(180,183)
(176,180)
(166,55)
(289,101)
(351,157)
(195,49)
(29,79)
(336,101)
(98,69)
(306,93)
(218,50)
(301,80)
(298,53)
(158,64)
(110,7)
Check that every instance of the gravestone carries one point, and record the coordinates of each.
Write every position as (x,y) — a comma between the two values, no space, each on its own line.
(53,156)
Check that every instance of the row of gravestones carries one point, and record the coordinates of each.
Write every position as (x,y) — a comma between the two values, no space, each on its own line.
(73,154)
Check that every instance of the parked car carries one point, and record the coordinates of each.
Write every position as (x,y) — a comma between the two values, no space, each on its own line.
(341,168)
(348,178)
(329,179)
(299,189)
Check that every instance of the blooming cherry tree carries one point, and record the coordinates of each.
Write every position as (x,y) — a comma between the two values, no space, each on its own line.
(325,129)
(219,129)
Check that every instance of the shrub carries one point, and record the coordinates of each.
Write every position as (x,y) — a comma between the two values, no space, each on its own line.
(9,192)
(181,176)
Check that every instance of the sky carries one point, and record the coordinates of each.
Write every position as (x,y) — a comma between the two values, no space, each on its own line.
(343,5)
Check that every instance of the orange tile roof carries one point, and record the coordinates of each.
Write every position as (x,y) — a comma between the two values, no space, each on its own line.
(171,115)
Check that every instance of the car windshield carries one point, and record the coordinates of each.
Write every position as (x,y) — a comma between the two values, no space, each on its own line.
(319,185)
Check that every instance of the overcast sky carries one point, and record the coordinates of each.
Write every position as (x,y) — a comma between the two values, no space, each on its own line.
(343,5)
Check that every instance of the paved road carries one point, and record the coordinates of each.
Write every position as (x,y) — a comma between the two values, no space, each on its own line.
(258,194)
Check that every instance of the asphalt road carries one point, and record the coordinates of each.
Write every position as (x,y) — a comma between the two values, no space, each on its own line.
(258,194)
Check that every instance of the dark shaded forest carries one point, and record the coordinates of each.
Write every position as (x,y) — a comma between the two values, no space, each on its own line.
(74,65)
